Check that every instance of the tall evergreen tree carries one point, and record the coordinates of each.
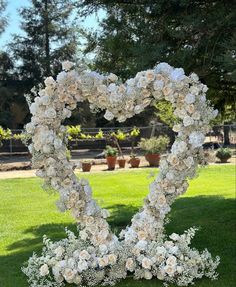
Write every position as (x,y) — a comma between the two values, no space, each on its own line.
(196,35)
(3,18)
(49,37)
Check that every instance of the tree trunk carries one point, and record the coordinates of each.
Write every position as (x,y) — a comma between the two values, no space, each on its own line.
(226,134)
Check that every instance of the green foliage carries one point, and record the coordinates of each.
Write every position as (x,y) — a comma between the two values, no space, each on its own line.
(154,144)
(3,19)
(73,132)
(99,135)
(5,134)
(198,36)
(224,153)
(135,132)
(165,113)
(110,151)
(49,37)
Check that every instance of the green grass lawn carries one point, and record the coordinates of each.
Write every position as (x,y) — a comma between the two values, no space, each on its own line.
(27,213)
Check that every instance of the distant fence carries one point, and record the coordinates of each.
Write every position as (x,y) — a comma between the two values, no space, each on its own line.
(217,135)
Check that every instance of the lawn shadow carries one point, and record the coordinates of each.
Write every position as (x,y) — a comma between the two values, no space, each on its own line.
(214,215)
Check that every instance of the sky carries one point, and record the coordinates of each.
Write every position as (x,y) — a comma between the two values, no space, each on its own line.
(13,27)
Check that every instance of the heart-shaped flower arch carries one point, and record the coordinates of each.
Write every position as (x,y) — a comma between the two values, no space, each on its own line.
(97,256)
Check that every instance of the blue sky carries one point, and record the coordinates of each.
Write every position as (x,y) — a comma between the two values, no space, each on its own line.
(14,20)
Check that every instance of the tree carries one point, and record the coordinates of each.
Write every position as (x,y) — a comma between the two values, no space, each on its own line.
(3,19)
(49,37)
(196,35)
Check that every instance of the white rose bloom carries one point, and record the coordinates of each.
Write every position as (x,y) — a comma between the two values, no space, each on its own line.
(142,82)
(163,67)
(57,143)
(196,116)
(49,81)
(112,259)
(179,269)
(158,85)
(141,245)
(174,236)
(45,100)
(112,77)
(50,113)
(196,139)
(174,250)
(108,115)
(194,77)
(84,255)
(67,65)
(69,275)
(147,275)
(33,108)
(146,263)
(177,75)
(189,161)
(170,270)
(59,251)
(103,261)
(188,121)
(160,250)
(103,248)
(77,280)
(82,265)
(150,76)
(30,128)
(177,128)
(190,99)
(130,264)
(171,261)
(130,82)
(44,270)
(138,109)
(61,77)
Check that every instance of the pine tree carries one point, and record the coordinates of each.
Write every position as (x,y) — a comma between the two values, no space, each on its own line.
(3,18)
(49,37)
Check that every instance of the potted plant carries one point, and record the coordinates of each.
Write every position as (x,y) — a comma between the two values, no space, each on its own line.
(153,147)
(224,154)
(86,165)
(111,155)
(134,161)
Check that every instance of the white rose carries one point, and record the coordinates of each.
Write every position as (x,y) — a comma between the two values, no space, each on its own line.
(147,275)
(196,139)
(189,161)
(67,65)
(112,259)
(190,99)
(170,270)
(82,265)
(57,143)
(77,280)
(130,264)
(178,147)
(142,82)
(160,250)
(141,245)
(171,260)
(69,275)
(188,121)
(174,236)
(142,235)
(130,82)
(164,68)
(49,81)
(84,255)
(59,251)
(44,270)
(109,115)
(158,85)
(150,76)
(103,261)
(147,263)
(112,77)
(103,248)
(50,113)
(177,75)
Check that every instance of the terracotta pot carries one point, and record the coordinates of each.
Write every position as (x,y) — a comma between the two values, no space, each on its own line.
(134,162)
(86,166)
(111,162)
(121,162)
(153,159)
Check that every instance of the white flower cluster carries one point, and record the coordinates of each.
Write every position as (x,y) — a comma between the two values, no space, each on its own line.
(97,255)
